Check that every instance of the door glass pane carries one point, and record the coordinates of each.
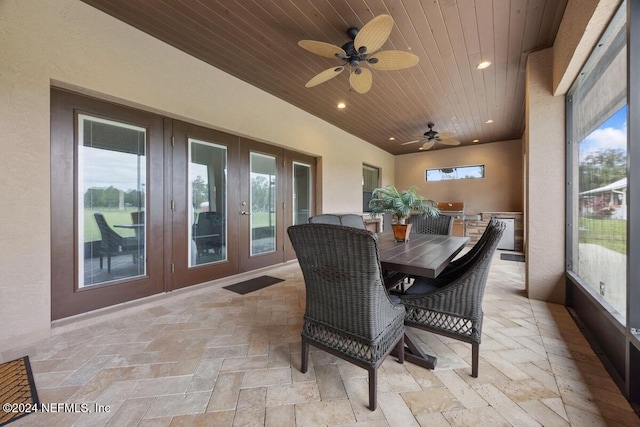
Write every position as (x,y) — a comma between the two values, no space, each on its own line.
(263,203)
(207,203)
(301,193)
(111,200)
(370,181)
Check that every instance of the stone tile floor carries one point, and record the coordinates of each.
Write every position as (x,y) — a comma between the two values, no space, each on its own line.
(210,357)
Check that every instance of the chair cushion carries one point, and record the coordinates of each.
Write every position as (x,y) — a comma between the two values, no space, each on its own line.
(395,299)
(421,286)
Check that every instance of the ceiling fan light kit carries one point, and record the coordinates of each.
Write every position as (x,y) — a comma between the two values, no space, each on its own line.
(362,49)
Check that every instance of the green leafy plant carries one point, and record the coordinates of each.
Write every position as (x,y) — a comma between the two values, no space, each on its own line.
(402,203)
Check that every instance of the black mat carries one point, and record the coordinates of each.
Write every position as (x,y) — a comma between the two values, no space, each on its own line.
(512,257)
(17,390)
(253,284)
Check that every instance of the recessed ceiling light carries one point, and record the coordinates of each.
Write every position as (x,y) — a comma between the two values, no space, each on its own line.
(392,138)
(341,105)
(476,140)
(483,65)
(489,121)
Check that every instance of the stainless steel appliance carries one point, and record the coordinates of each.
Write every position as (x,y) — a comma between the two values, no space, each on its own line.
(456,210)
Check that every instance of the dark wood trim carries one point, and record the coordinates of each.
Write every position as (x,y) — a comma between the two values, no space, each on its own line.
(66,297)
(178,220)
(290,158)
(247,261)
(167,151)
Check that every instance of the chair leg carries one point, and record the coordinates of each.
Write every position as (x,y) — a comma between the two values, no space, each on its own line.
(400,349)
(305,356)
(373,378)
(100,262)
(475,356)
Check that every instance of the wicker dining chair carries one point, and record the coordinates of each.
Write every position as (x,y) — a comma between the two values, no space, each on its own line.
(325,219)
(350,220)
(441,224)
(455,308)
(353,220)
(392,279)
(455,267)
(458,265)
(113,244)
(348,312)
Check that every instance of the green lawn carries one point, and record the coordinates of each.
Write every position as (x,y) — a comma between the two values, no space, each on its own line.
(610,233)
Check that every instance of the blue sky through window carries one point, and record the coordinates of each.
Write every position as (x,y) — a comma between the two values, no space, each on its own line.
(610,134)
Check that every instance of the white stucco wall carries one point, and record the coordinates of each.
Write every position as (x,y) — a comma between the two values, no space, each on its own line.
(69,44)
(545,205)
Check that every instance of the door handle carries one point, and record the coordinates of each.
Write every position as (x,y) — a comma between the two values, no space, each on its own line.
(245,213)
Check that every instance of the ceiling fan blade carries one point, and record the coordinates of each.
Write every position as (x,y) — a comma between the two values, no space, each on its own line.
(361,82)
(374,33)
(323,49)
(411,142)
(324,76)
(394,60)
(428,145)
(446,135)
(449,141)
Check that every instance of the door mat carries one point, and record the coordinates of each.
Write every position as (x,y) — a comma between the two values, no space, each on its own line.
(512,257)
(253,284)
(17,390)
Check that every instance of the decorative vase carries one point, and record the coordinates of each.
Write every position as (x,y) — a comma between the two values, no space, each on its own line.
(401,232)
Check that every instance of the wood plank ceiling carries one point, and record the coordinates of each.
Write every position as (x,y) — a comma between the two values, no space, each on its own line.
(256,41)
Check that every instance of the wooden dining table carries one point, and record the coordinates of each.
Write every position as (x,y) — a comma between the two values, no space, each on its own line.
(422,255)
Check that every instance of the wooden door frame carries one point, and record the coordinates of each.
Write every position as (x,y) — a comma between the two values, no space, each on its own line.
(67,296)
(182,275)
(290,158)
(246,261)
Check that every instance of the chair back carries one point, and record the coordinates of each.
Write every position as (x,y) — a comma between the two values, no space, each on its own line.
(208,231)
(137,217)
(349,220)
(325,219)
(110,240)
(441,224)
(343,278)
(459,264)
(353,220)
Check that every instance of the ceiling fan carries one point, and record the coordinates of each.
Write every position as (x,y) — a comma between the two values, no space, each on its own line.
(430,137)
(362,48)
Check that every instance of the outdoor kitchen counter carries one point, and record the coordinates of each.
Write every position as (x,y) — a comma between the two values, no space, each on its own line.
(475,225)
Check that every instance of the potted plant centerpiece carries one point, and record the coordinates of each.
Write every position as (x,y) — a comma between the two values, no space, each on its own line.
(402,204)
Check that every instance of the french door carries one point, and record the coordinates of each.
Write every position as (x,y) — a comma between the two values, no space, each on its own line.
(261,207)
(106,204)
(204,193)
(142,204)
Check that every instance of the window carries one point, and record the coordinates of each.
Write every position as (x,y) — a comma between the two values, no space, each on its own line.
(111,200)
(302,191)
(207,202)
(458,172)
(370,181)
(597,126)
